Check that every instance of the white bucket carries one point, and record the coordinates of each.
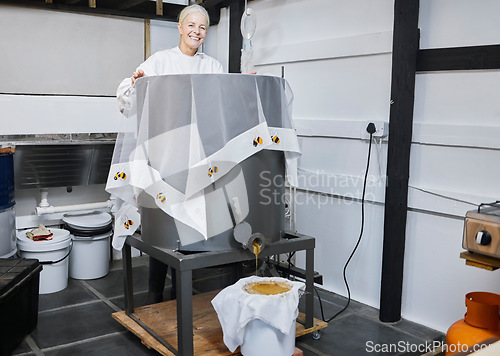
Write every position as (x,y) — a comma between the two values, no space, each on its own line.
(52,254)
(89,258)
(10,254)
(90,255)
(7,232)
(261,338)
(259,315)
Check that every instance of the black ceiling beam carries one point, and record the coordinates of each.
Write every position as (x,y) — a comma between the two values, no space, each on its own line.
(146,10)
(130,8)
(129,3)
(405,46)
(459,58)
(211,3)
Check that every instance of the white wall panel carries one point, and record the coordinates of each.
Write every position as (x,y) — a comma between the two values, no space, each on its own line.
(335,223)
(443,178)
(458,23)
(354,88)
(361,45)
(337,167)
(54,52)
(458,98)
(27,115)
(281,22)
(164,34)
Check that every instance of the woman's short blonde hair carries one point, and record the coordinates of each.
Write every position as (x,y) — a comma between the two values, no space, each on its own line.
(188,10)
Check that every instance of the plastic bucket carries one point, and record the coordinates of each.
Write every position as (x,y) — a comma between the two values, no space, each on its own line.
(261,338)
(7,201)
(260,335)
(90,255)
(52,254)
(6,181)
(7,232)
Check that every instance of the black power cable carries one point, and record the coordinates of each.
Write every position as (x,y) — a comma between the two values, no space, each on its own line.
(371,130)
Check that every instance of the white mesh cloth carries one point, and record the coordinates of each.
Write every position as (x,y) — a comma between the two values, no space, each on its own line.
(236,308)
(192,130)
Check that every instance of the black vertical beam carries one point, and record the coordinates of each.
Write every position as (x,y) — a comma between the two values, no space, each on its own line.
(236,10)
(404,58)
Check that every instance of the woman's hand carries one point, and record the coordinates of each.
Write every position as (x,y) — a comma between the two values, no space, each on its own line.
(136,75)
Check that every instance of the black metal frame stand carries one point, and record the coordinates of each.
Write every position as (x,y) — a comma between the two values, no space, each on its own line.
(184,264)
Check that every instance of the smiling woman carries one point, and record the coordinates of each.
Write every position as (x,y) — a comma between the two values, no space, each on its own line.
(183,59)
(193,29)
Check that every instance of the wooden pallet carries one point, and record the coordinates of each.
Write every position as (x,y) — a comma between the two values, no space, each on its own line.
(207,332)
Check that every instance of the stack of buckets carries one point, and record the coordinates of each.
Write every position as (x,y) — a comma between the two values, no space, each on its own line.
(80,251)
(90,255)
(7,213)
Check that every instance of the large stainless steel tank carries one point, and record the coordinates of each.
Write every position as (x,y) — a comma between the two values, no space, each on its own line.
(265,201)
(257,184)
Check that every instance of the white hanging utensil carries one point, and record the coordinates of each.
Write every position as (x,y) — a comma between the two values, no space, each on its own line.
(248,23)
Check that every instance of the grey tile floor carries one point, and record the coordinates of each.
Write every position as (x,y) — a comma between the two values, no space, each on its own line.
(78,321)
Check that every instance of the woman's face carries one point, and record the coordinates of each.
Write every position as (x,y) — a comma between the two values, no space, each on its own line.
(193,30)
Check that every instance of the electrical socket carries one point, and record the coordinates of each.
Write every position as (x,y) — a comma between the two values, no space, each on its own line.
(381,129)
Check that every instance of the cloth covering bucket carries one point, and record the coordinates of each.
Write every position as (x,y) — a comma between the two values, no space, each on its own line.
(53,256)
(259,323)
(90,255)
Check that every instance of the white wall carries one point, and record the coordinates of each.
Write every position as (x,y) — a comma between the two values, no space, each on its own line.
(69,53)
(60,70)
(338,62)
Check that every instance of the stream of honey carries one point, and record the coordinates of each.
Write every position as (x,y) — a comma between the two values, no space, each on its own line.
(256,251)
(268,287)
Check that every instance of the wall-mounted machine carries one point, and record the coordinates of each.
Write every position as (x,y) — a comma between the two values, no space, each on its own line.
(482,230)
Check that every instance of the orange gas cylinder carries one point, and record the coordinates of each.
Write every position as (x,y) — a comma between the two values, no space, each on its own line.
(481,322)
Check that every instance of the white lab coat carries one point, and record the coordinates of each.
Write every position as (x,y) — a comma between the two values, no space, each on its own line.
(169,61)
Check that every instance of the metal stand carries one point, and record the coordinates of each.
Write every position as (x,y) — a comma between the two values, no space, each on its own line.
(184,264)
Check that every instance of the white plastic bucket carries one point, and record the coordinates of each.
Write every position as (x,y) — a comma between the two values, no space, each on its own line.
(52,254)
(7,232)
(90,255)
(259,315)
(261,338)
(89,258)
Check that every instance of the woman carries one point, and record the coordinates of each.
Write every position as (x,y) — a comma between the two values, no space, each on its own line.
(183,59)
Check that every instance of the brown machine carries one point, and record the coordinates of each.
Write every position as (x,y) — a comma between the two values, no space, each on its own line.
(482,230)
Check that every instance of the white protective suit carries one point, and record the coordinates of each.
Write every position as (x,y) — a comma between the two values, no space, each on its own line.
(169,61)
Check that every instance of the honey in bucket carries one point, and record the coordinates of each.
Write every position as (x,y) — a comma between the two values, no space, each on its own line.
(267,287)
